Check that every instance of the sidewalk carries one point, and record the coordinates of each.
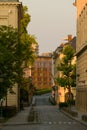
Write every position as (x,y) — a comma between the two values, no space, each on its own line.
(20,118)
(78,118)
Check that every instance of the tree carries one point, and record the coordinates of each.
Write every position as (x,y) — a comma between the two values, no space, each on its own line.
(27,41)
(16,53)
(67,69)
(27,55)
(8,59)
(25,52)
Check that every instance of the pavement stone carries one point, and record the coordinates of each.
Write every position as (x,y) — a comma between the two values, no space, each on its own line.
(21,117)
(79,117)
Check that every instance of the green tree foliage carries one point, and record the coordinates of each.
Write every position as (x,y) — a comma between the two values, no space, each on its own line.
(16,53)
(27,41)
(25,20)
(26,51)
(27,55)
(67,69)
(8,58)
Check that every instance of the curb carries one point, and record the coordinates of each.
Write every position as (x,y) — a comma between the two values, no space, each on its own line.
(74,118)
(16,124)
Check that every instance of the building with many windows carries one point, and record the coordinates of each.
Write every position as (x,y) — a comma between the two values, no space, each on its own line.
(42,72)
(81,53)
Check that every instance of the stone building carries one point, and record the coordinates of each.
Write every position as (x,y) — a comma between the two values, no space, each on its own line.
(81,53)
(10,14)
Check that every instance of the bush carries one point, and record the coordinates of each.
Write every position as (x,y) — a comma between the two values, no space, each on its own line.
(42,91)
(71,102)
(84,117)
(63,104)
(9,111)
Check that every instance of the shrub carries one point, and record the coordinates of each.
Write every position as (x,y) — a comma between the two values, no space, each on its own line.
(42,91)
(63,104)
(9,111)
(71,102)
(84,117)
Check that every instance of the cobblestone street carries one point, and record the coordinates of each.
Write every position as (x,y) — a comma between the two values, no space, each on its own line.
(44,116)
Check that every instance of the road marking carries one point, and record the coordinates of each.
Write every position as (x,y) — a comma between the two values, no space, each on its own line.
(69,123)
(60,122)
(50,123)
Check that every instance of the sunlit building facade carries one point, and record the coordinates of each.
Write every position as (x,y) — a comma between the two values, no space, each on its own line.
(81,53)
(10,14)
(42,72)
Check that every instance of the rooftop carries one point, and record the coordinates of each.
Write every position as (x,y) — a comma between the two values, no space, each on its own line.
(9,0)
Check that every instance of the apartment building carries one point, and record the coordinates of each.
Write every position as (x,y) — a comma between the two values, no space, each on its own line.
(81,53)
(42,71)
(10,14)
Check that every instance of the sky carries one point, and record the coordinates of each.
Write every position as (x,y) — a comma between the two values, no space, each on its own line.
(51,22)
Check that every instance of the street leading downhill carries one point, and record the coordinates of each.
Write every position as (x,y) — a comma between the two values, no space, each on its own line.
(44,116)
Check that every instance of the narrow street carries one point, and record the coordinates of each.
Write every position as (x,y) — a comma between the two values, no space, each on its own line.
(47,117)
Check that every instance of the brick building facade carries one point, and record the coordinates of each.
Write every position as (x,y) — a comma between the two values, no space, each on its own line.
(41,72)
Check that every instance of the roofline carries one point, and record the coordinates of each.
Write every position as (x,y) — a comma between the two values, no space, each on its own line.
(10,3)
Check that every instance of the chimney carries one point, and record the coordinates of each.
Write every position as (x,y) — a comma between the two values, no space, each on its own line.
(69,37)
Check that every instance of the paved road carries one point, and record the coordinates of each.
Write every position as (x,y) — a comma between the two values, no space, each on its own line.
(47,117)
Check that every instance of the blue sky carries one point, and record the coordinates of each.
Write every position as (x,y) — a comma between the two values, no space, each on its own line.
(51,21)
